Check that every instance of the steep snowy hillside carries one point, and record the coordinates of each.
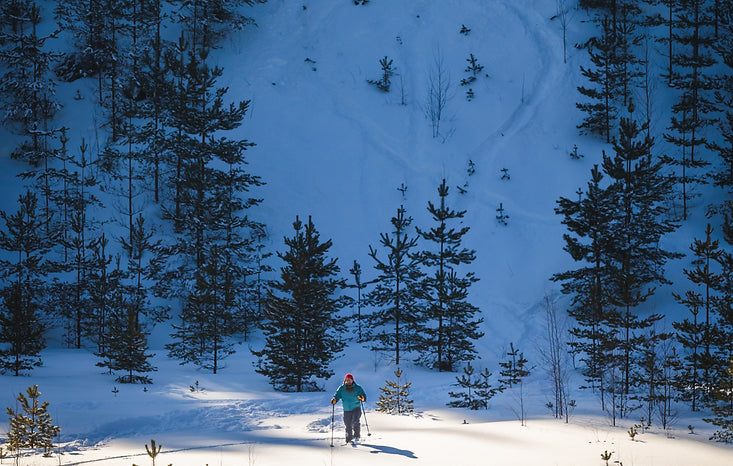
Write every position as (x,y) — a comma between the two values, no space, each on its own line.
(332,146)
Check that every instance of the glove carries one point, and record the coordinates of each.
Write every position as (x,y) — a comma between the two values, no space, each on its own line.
(333,401)
(361,398)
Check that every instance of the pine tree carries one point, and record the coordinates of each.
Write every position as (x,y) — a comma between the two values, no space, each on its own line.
(122,340)
(722,407)
(33,427)
(474,68)
(689,334)
(241,237)
(355,270)
(302,314)
(723,144)
(123,159)
(514,368)
(82,229)
(21,321)
(725,303)
(638,261)
(95,27)
(27,88)
(514,371)
(144,263)
(668,395)
(723,176)
(215,245)
(693,58)
(601,110)
(102,283)
(666,17)
(649,374)
(128,346)
(627,41)
(451,325)
(384,82)
(704,335)
(587,242)
(208,321)
(395,396)
(28,92)
(477,391)
(395,321)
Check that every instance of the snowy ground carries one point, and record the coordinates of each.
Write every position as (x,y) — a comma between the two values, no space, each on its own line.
(236,419)
(331,146)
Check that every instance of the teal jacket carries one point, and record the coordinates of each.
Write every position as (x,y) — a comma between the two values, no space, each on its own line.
(349,399)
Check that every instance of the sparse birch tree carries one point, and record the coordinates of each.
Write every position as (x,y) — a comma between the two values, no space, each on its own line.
(561,9)
(555,357)
(438,93)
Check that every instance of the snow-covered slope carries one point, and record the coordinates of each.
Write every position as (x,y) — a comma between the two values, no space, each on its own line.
(331,146)
(334,147)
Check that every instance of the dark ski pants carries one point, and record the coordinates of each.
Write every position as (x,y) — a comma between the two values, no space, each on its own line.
(353,426)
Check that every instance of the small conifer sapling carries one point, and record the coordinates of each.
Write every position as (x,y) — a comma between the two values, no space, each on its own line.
(395,396)
(32,427)
(384,83)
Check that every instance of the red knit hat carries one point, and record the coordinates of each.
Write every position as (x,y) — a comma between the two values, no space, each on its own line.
(349,376)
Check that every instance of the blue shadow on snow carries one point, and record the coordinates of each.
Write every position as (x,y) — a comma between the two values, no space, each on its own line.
(389,450)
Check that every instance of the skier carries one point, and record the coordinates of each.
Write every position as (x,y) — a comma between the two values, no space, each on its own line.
(351,395)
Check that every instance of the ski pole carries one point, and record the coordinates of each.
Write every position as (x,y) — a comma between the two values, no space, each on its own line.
(365,419)
(333,412)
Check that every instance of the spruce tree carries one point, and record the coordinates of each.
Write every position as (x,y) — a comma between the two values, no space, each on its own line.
(395,321)
(302,314)
(21,313)
(451,325)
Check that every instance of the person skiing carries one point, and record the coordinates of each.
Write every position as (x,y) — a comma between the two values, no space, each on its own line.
(351,395)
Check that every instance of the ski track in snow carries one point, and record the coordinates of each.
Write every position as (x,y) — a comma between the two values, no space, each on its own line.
(402,149)
(549,74)
(221,415)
